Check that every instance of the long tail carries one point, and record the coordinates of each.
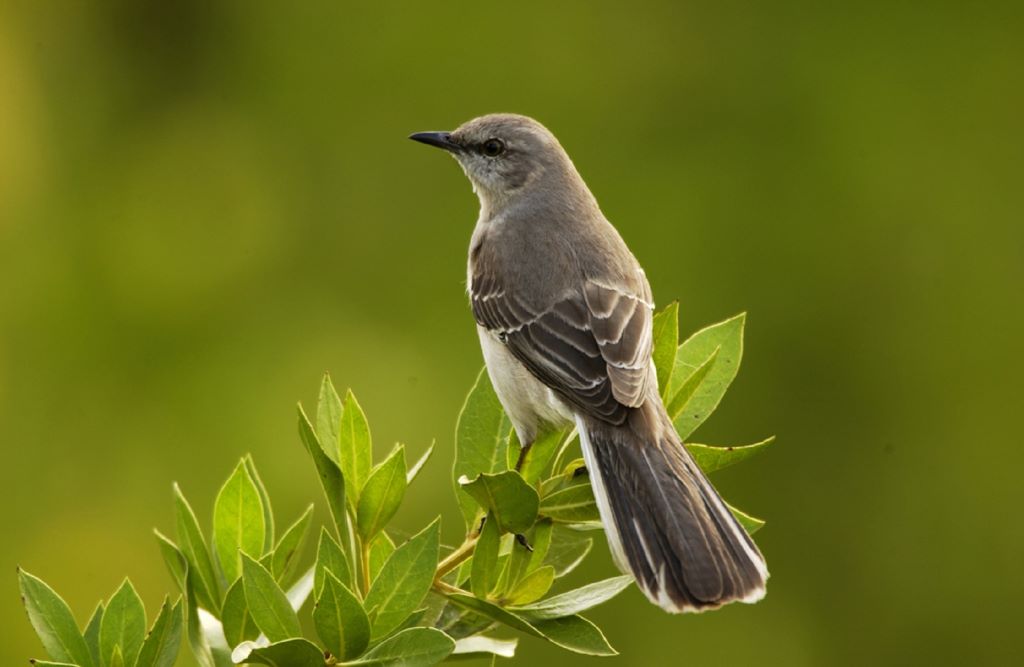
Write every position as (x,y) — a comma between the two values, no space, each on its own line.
(664,521)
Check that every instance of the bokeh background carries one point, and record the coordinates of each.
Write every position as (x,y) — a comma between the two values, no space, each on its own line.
(203,206)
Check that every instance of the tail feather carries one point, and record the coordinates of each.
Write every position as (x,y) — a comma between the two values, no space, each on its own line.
(665,522)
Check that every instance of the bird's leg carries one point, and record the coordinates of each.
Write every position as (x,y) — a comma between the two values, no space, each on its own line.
(522,456)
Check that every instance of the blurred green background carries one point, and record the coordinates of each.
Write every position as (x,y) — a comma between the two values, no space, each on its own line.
(203,208)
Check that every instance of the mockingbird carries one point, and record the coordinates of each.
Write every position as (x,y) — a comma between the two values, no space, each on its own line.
(563,312)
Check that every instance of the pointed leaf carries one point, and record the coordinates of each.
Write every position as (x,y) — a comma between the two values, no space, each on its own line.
(238,523)
(415,469)
(116,658)
(666,339)
(576,634)
(329,556)
(533,586)
(295,652)
(539,455)
(678,400)
(380,551)
(711,459)
(193,546)
(750,523)
(340,621)
(727,338)
(91,634)
(481,646)
(481,439)
(404,581)
(235,618)
(355,450)
(286,553)
(160,648)
(331,479)
(573,633)
(575,601)
(268,514)
(573,504)
(414,647)
(328,418)
(540,540)
(512,502)
(53,622)
(484,572)
(173,558)
(267,603)
(381,495)
(123,624)
(568,549)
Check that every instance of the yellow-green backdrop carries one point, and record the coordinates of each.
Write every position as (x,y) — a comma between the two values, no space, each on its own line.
(203,206)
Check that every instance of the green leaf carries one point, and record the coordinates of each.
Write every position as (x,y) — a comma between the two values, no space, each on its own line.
(677,403)
(340,620)
(573,633)
(576,634)
(53,622)
(296,652)
(414,647)
(123,624)
(193,546)
(160,648)
(235,618)
(268,514)
(47,663)
(238,523)
(568,549)
(575,601)
(331,479)
(484,573)
(750,523)
(116,658)
(286,553)
(422,461)
(267,603)
(404,580)
(355,448)
(512,502)
(573,504)
(481,439)
(711,459)
(539,455)
(533,586)
(482,645)
(666,340)
(380,551)
(173,558)
(328,418)
(91,634)
(540,540)
(727,338)
(382,494)
(329,556)
(206,655)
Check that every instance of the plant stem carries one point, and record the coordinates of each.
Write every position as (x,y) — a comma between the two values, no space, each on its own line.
(456,558)
(365,561)
(443,588)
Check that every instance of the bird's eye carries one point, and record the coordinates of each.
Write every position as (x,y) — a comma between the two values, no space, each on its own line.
(493,147)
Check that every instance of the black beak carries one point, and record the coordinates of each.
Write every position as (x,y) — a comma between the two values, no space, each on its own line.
(439,139)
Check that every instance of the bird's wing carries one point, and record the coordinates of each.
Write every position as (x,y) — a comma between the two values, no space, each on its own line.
(591,346)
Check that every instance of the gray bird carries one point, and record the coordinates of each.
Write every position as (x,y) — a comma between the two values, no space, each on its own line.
(563,312)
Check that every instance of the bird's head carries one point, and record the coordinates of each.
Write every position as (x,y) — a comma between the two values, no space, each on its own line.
(504,155)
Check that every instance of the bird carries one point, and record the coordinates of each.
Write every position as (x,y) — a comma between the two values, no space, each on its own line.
(564,316)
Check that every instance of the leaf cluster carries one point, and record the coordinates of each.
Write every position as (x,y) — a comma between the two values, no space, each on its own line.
(248,591)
